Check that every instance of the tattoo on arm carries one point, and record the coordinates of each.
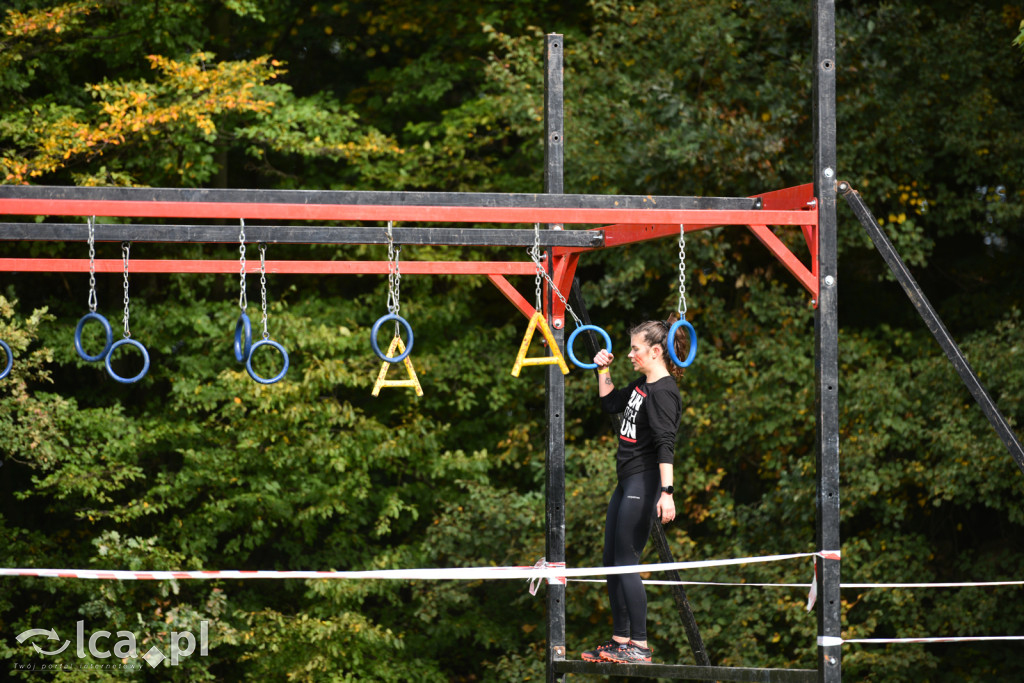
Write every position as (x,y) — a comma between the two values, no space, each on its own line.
(608,381)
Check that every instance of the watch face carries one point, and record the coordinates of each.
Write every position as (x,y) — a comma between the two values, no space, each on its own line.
(668,489)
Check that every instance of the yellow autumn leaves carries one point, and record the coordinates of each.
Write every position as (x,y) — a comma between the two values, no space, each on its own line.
(186,94)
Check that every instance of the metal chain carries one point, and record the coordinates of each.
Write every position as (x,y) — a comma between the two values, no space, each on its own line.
(92,264)
(125,249)
(534,253)
(263,286)
(393,273)
(682,273)
(243,301)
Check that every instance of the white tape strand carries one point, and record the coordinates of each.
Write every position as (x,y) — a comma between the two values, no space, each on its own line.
(966,584)
(658,582)
(955,639)
(550,570)
(470,573)
(805,586)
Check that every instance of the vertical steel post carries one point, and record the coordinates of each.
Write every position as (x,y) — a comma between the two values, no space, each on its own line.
(555,488)
(826,340)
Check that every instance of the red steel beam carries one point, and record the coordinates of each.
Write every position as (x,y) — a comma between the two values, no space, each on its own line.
(624,233)
(795,198)
(787,258)
(565,271)
(56,265)
(800,197)
(512,294)
(811,237)
(618,235)
(796,203)
(338,212)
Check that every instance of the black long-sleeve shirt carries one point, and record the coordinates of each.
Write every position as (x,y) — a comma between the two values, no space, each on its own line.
(650,420)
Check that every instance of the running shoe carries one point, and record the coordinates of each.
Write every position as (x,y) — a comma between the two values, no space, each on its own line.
(627,653)
(595,654)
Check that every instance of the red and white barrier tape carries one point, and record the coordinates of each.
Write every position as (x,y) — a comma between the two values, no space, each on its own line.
(553,571)
(541,564)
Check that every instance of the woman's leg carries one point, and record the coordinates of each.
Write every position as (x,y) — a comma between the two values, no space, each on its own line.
(617,599)
(638,497)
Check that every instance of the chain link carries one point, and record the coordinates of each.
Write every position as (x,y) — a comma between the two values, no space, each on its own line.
(393,278)
(243,301)
(92,264)
(125,249)
(263,286)
(393,273)
(534,253)
(682,273)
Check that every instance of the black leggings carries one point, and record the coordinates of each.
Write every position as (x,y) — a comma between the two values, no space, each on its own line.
(625,534)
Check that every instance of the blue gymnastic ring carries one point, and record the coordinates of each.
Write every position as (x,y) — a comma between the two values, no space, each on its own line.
(670,341)
(373,338)
(252,352)
(243,338)
(78,336)
(572,338)
(145,361)
(10,359)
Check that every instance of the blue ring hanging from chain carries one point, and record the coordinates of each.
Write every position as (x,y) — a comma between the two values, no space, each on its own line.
(672,331)
(10,359)
(252,352)
(399,320)
(572,338)
(682,323)
(145,361)
(243,338)
(92,314)
(125,250)
(106,330)
(266,341)
(394,305)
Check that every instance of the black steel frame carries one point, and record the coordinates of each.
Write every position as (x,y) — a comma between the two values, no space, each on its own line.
(510,200)
(300,234)
(554,542)
(826,345)
(826,319)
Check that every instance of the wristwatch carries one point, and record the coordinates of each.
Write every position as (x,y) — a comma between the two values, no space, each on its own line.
(668,489)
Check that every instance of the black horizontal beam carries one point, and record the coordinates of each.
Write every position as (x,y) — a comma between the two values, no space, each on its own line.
(686,672)
(307,234)
(372,198)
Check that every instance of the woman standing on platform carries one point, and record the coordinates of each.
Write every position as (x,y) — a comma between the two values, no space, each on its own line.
(651,410)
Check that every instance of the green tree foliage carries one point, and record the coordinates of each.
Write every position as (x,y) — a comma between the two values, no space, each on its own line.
(197,467)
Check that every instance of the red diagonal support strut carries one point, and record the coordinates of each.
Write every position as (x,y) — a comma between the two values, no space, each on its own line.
(787,258)
(512,294)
